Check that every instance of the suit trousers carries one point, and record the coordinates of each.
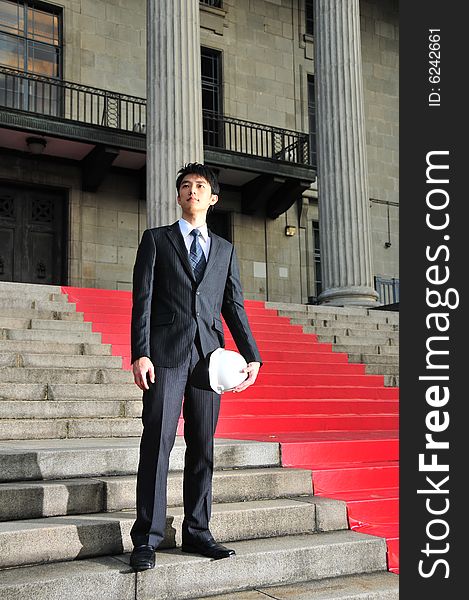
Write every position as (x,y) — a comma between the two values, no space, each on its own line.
(160,415)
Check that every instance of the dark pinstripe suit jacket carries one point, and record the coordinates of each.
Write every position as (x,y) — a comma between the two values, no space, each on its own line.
(169,306)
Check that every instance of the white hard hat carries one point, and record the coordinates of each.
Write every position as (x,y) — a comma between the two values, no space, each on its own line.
(225,370)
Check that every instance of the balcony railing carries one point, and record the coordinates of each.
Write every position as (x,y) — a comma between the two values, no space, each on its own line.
(263,141)
(215,3)
(388,289)
(50,97)
(71,101)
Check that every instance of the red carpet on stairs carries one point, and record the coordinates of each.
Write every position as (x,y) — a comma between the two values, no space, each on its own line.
(326,413)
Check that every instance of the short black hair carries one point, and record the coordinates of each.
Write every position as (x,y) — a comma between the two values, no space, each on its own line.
(198,169)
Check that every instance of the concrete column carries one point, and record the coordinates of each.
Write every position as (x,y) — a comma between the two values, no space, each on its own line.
(346,258)
(174,102)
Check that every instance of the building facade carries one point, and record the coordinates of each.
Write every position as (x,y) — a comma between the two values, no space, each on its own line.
(272,85)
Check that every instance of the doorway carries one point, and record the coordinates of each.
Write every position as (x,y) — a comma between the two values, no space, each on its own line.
(32,235)
(220,223)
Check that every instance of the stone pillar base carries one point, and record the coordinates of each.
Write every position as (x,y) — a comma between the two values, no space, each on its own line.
(349,296)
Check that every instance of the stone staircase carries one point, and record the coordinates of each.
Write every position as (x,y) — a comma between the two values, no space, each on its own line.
(58,379)
(69,427)
(368,336)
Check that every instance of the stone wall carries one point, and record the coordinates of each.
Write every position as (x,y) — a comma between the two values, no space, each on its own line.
(105,44)
(111,226)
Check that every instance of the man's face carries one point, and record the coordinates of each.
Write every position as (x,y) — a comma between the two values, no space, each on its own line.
(195,195)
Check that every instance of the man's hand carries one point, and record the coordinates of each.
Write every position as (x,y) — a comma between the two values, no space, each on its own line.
(252,370)
(140,368)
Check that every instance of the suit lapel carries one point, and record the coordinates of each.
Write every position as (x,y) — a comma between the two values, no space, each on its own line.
(175,236)
(212,255)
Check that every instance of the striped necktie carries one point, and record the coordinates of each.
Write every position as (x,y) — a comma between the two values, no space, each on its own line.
(197,256)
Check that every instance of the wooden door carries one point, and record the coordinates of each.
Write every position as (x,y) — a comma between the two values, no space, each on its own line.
(32,235)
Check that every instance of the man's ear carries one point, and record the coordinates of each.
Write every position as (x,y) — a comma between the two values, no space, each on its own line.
(214,199)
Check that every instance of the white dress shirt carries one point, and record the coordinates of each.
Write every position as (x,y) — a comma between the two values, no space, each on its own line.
(204,238)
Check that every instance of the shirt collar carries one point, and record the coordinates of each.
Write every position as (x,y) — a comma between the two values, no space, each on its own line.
(186,229)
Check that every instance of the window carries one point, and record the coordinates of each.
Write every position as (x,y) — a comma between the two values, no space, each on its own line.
(30,37)
(211,96)
(30,41)
(317,257)
(309,14)
(312,121)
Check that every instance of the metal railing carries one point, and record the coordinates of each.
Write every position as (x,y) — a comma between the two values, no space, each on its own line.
(93,106)
(72,101)
(264,141)
(215,3)
(387,289)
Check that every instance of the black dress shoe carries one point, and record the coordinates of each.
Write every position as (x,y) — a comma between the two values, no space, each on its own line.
(209,548)
(142,558)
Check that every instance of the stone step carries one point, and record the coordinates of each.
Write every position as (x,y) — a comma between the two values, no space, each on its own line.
(178,576)
(27,429)
(316,308)
(374,358)
(17,322)
(31,313)
(59,297)
(362,325)
(68,409)
(355,336)
(342,319)
(13,359)
(8,322)
(32,500)
(391,380)
(391,315)
(356,331)
(57,325)
(367,586)
(75,391)
(65,375)
(382,369)
(44,335)
(33,289)
(299,318)
(59,304)
(36,541)
(52,459)
(366,349)
(51,347)
(328,312)
(8,302)
(344,328)
(24,294)
(360,340)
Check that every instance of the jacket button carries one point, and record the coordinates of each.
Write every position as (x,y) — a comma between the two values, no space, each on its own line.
(198,314)
(198,293)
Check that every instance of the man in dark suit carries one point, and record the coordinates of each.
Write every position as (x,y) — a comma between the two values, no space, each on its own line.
(184,278)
